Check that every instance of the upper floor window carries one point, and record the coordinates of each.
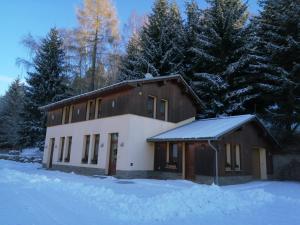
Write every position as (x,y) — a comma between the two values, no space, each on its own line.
(151,106)
(163,109)
(98,108)
(71,113)
(65,117)
(90,112)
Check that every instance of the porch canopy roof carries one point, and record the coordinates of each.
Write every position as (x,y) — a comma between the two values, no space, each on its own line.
(205,129)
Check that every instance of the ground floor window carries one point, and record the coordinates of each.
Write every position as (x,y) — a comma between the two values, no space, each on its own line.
(69,147)
(61,149)
(168,157)
(233,157)
(95,149)
(85,155)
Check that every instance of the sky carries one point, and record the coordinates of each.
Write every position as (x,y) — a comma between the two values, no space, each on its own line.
(21,17)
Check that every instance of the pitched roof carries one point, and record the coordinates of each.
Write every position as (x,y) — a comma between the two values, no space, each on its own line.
(126,83)
(205,129)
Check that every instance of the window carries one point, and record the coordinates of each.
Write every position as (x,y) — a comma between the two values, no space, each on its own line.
(151,106)
(67,159)
(85,155)
(228,157)
(163,109)
(71,113)
(96,149)
(65,117)
(61,149)
(173,154)
(98,108)
(90,112)
(237,165)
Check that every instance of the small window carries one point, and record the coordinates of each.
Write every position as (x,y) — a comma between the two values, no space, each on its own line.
(151,106)
(90,112)
(96,149)
(237,165)
(163,109)
(65,117)
(67,159)
(61,149)
(98,108)
(228,164)
(71,113)
(85,154)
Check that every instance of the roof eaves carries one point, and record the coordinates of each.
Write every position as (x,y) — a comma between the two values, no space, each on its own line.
(181,139)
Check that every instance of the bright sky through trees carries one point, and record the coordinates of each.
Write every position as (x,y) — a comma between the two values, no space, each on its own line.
(19,18)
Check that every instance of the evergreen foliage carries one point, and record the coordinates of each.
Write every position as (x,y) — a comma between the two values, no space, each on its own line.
(159,49)
(278,33)
(217,54)
(11,106)
(48,83)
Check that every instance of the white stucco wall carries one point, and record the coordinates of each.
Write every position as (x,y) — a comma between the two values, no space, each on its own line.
(133,131)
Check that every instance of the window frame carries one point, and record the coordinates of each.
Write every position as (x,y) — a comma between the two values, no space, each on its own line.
(153,112)
(98,108)
(228,157)
(62,143)
(86,149)
(69,149)
(165,103)
(94,159)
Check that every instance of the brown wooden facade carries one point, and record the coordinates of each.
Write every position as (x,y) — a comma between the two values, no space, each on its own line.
(131,100)
(200,157)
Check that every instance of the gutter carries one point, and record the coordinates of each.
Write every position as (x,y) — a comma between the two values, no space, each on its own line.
(216,162)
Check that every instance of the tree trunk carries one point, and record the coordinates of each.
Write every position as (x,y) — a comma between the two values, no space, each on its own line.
(94,57)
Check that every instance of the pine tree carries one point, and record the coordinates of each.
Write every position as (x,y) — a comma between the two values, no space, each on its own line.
(48,83)
(278,37)
(130,64)
(161,43)
(10,119)
(217,60)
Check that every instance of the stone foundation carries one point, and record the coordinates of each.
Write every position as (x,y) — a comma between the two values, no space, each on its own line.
(77,169)
(161,175)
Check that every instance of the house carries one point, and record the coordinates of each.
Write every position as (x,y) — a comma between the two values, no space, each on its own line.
(146,128)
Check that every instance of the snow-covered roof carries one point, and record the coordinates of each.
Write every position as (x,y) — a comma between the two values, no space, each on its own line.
(119,85)
(205,129)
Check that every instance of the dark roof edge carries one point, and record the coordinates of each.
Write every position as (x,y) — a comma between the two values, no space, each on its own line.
(121,84)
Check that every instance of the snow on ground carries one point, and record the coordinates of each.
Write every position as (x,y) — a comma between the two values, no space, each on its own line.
(31,195)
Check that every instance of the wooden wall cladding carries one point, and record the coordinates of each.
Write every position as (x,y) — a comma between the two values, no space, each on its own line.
(134,101)
(54,117)
(249,137)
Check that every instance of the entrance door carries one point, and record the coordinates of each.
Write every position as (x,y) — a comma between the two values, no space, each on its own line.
(190,162)
(113,154)
(51,150)
(259,163)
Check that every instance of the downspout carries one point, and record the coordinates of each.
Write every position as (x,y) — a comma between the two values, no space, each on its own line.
(216,161)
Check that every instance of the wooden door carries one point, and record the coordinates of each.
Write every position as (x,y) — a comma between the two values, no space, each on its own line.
(190,162)
(263,164)
(51,149)
(255,163)
(113,154)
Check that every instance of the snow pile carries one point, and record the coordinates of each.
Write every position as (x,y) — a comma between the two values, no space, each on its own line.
(31,152)
(197,200)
